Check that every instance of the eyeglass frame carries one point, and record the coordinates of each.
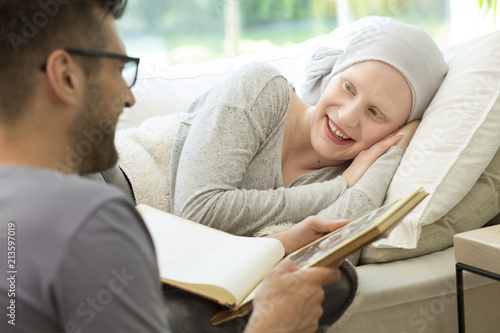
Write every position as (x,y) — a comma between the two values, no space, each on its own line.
(93,53)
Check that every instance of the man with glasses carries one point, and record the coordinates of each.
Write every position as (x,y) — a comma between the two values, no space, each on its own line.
(75,255)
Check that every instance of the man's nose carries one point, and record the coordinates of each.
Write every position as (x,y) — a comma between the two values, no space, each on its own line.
(130,99)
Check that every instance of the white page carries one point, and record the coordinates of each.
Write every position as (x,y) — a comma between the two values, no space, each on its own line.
(192,253)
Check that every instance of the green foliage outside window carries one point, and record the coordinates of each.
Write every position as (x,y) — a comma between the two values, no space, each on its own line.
(489,5)
(196,27)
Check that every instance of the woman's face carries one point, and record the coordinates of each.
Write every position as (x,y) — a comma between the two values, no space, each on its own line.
(360,106)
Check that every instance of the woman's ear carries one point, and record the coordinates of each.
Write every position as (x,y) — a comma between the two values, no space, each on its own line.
(65,77)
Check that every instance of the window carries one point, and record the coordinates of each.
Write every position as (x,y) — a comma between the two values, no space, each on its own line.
(173,31)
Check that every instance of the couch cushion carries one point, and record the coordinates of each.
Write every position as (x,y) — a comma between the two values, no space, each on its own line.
(418,295)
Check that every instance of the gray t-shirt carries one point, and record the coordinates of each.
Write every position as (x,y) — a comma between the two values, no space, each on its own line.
(225,167)
(82,259)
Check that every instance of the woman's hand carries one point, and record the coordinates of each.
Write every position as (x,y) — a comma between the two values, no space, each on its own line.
(307,231)
(408,132)
(401,138)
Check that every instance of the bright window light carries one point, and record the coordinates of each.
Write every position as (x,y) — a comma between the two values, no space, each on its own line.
(175,32)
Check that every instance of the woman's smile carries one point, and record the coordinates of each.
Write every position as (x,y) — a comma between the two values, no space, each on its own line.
(336,134)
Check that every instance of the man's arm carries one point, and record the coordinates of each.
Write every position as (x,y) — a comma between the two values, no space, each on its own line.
(109,280)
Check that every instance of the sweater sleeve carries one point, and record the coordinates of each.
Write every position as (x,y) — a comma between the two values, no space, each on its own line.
(369,192)
(231,125)
(367,195)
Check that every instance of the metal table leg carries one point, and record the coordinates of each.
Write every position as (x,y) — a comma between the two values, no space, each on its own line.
(460,298)
(460,289)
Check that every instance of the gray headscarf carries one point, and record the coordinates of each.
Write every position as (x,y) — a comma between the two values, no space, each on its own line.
(407,48)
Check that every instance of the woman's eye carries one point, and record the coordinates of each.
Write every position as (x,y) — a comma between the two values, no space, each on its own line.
(348,86)
(374,112)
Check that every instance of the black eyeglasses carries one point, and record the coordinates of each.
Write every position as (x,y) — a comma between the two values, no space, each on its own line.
(129,71)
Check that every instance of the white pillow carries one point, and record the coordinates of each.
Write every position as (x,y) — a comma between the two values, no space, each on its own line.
(456,140)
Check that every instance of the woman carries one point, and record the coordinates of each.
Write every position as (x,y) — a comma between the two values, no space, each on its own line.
(250,153)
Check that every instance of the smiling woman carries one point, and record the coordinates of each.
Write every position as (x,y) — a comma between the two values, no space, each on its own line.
(251,153)
(359,107)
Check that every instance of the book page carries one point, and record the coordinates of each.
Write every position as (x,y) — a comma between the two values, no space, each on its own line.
(193,253)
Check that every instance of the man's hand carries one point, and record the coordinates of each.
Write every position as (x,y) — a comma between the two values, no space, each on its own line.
(307,231)
(401,138)
(289,299)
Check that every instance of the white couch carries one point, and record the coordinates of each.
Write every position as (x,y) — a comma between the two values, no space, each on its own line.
(414,294)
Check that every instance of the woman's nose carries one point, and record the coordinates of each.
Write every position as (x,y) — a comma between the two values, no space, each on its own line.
(349,115)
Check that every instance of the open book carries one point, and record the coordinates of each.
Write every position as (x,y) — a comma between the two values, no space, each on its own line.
(228,269)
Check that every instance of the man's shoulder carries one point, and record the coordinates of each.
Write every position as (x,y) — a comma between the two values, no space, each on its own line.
(50,209)
(50,192)
(86,196)
(84,191)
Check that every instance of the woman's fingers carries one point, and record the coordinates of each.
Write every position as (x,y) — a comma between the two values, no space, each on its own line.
(408,131)
(400,138)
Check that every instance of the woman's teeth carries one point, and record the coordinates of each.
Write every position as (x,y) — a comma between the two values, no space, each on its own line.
(337,133)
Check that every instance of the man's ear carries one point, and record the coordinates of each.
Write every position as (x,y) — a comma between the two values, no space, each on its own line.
(65,77)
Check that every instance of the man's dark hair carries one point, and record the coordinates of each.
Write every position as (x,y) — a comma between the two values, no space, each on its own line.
(31,29)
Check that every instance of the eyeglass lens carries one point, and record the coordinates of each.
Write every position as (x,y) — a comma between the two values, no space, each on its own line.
(129,73)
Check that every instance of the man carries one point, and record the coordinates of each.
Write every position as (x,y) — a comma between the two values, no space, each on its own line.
(75,255)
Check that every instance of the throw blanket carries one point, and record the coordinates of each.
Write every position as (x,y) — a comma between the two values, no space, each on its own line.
(145,158)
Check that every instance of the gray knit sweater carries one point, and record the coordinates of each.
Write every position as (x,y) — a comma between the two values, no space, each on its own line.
(226,162)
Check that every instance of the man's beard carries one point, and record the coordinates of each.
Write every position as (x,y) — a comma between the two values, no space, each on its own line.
(92,135)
